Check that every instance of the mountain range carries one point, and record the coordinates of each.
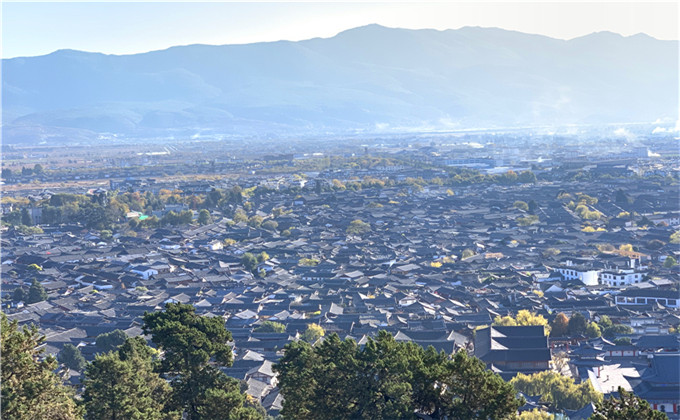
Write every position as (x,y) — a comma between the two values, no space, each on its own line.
(369,79)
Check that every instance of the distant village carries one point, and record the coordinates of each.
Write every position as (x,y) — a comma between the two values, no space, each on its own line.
(392,245)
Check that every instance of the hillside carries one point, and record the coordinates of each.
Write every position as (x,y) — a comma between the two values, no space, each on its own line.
(368,79)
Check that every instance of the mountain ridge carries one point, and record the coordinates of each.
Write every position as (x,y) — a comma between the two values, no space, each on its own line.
(370,78)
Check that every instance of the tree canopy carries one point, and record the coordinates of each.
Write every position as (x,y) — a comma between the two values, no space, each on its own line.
(523,317)
(30,388)
(560,325)
(387,379)
(270,327)
(194,348)
(557,389)
(577,324)
(71,356)
(626,407)
(123,385)
(110,341)
(358,227)
(36,293)
(312,333)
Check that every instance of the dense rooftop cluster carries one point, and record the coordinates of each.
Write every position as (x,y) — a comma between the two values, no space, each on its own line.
(430,262)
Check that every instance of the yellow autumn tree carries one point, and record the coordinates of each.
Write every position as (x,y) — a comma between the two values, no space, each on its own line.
(524,317)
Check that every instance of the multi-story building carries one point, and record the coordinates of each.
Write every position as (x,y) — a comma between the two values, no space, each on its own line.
(510,350)
(667,298)
(620,277)
(586,275)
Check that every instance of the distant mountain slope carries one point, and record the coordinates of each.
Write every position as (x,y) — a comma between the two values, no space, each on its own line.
(368,78)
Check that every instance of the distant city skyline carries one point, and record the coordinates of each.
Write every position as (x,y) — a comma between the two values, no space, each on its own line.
(30,29)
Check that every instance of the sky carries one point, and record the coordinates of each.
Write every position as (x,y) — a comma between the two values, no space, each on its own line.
(32,28)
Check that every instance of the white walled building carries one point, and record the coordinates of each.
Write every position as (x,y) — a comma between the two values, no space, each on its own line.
(621,277)
(586,275)
(667,298)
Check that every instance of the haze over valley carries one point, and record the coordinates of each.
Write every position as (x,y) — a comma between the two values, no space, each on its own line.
(370,79)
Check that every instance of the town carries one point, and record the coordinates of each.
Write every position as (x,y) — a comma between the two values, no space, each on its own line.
(534,255)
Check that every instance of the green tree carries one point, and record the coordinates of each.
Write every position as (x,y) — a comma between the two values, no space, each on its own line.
(249,261)
(536,414)
(674,238)
(617,329)
(123,385)
(605,322)
(38,169)
(385,390)
(240,216)
(474,392)
(556,389)
(30,388)
(36,293)
(270,327)
(626,407)
(523,318)
(623,341)
(312,333)
(194,348)
(26,219)
(110,341)
(204,217)
(551,252)
(71,356)
(308,262)
(577,324)
(527,220)
(298,380)
(20,294)
(521,205)
(526,177)
(669,262)
(593,330)
(270,225)
(467,253)
(386,379)
(255,221)
(358,227)
(533,205)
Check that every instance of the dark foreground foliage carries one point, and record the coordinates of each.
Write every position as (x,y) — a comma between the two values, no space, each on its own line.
(386,379)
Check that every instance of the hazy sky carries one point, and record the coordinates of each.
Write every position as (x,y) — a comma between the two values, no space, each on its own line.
(128,27)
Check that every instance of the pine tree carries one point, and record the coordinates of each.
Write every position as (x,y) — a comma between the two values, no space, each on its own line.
(110,341)
(26,217)
(30,388)
(204,217)
(474,392)
(386,379)
(20,294)
(194,348)
(36,293)
(577,324)
(71,356)
(626,407)
(123,385)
